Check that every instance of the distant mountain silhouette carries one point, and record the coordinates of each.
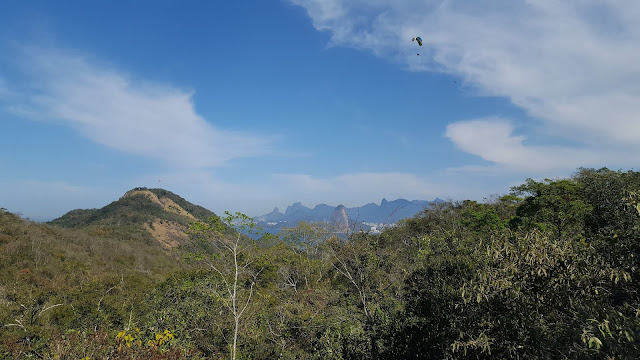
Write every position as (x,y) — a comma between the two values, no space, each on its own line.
(388,212)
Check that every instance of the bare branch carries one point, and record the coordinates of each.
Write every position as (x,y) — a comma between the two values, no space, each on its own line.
(49,308)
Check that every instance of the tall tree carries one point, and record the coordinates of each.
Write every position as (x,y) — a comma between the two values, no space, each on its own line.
(553,205)
(231,263)
(373,267)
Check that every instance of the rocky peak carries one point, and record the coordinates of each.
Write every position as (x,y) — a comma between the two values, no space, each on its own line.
(339,220)
(295,208)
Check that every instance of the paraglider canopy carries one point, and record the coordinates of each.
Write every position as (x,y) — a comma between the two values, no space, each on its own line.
(418,39)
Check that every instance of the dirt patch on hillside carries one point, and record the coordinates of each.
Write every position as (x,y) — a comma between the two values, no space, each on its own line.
(171,206)
(166,203)
(169,234)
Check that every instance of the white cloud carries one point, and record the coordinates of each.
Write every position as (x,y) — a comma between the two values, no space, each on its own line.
(130,115)
(571,65)
(493,140)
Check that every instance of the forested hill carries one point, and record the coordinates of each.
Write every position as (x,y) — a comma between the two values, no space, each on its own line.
(137,206)
(162,214)
(550,270)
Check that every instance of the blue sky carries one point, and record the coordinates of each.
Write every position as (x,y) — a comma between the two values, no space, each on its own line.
(248,105)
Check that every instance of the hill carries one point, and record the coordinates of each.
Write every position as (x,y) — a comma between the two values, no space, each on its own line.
(148,213)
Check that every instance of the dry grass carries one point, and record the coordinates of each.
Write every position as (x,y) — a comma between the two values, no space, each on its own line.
(168,233)
(166,203)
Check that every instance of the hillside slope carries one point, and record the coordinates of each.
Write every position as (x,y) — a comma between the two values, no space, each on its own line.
(147,213)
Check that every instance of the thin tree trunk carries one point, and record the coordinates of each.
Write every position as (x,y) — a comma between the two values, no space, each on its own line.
(373,341)
(235,308)
(235,341)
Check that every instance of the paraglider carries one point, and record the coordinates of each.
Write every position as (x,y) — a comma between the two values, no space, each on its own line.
(419,40)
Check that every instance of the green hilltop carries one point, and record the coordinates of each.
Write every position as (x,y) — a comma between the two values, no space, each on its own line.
(137,206)
(145,213)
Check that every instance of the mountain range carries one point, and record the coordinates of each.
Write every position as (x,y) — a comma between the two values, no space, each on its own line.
(366,217)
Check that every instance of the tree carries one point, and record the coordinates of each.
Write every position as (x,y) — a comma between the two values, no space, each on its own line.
(306,240)
(231,263)
(607,193)
(306,237)
(481,217)
(374,269)
(553,205)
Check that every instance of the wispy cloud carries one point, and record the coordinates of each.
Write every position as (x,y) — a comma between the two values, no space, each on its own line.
(131,115)
(493,139)
(572,66)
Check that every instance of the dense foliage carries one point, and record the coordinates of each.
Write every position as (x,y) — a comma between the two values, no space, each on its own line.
(548,271)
